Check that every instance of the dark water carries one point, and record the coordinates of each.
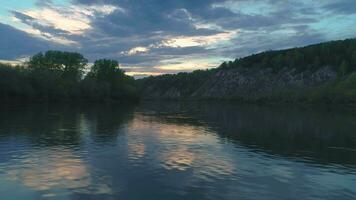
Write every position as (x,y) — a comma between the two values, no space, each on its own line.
(176,151)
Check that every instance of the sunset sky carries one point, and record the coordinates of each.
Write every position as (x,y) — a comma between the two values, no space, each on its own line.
(150,37)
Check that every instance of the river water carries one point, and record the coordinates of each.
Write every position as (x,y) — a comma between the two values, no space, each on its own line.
(170,150)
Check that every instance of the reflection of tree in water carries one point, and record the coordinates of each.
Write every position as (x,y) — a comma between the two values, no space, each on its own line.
(62,124)
(105,121)
(326,135)
(45,125)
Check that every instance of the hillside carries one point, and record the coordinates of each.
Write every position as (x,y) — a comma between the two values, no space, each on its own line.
(316,73)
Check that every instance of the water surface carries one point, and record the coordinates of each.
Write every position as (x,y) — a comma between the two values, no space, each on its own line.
(176,151)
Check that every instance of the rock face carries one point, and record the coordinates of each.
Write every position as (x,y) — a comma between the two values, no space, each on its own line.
(155,92)
(241,83)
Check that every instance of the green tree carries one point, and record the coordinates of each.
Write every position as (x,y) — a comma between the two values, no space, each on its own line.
(111,80)
(265,62)
(70,64)
(106,70)
(353,61)
(277,62)
(56,74)
(230,64)
(316,63)
(344,68)
(223,65)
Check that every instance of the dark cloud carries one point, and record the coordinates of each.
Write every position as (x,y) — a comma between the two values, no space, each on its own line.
(178,51)
(281,14)
(15,43)
(249,43)
(151,18)
(342,7)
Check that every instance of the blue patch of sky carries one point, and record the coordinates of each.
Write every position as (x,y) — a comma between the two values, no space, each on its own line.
(250,8)
(337,27)
(6,6)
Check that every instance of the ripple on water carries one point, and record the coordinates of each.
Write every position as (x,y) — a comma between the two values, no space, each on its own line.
(179,158)
(52,169)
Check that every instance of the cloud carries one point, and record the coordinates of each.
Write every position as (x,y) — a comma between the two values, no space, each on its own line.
(186,66)
(43,30)
(155,36)
(192,41)
(15,43)
(343,7)
(136,50)
(61,24)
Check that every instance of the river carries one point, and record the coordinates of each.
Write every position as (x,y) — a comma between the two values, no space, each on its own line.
(171,150)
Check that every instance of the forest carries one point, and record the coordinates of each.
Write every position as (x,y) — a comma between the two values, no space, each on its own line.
(62,76)
(341,55)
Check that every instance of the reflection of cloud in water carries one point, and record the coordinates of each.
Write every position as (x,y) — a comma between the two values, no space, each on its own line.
(184,147)
(136,150)
(180,133)
(47,170)
(166,132)
(179,159)
(211,167)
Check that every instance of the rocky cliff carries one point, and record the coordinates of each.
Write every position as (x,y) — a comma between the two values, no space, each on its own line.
(252,84)
(324,72)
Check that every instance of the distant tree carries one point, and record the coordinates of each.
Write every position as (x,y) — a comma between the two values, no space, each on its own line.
(296,59)
(57,74)
(111,80)
(70,63)
(325,53)
(277,62)
(230,64)
(106,70)
(237,62)
(223,65)
(353,60)
(316,63)
(344,68)
(265,62)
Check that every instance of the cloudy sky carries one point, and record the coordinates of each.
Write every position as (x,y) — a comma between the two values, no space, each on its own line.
(167,36)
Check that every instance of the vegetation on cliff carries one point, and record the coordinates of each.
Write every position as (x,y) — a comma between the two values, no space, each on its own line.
(339,54)
(316,73)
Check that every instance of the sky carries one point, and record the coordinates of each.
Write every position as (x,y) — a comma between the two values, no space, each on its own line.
(151,37)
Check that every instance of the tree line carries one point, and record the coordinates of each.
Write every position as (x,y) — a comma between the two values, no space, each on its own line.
(58,76)
(341,55)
